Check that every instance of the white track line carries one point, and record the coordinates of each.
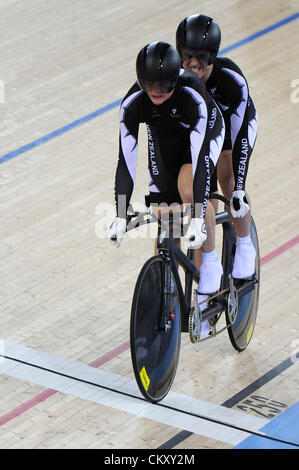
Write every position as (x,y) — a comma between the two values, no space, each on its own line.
(134,406)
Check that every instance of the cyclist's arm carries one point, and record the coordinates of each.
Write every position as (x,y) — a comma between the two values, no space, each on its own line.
(202,165)
(127,158)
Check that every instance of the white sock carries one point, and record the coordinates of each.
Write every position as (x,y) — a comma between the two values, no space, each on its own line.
(205,329)
(210,272)
(209,256)
(244,262)
(244,240)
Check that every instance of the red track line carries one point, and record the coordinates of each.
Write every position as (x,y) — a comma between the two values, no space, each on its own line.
(27,405)
(110,354)
(281,249)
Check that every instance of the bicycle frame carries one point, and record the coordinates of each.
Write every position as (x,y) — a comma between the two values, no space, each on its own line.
(186,261)
(168,248)
(178,257)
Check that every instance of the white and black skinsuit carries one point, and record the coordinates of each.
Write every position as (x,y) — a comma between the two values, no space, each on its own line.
(229,88)
(187,128)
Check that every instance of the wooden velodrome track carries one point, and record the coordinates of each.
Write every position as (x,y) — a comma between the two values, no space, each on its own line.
(66,292)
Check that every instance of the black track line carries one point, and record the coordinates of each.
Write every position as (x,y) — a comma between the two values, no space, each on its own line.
(237,398)
(196,415)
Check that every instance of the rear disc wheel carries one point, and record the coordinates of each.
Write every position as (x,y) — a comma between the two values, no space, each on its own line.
(241,330)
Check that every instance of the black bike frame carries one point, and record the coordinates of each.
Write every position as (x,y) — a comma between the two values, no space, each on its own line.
(186,261)
(168,248)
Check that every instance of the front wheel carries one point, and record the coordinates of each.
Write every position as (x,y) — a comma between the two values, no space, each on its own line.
(155,349)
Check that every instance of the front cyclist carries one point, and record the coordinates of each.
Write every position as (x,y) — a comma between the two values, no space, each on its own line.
(185,135)
(198,40)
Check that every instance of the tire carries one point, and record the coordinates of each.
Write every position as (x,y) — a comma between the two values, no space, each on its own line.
(154,353)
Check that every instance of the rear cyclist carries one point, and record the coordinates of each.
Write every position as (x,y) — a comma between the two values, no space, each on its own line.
(198,40)
(185,135)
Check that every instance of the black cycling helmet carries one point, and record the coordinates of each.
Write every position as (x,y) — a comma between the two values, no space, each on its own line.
(199,32)
(158,62)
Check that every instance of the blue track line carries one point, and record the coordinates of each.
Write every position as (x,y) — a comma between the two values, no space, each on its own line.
(260,33)
(108,107)
(59,131)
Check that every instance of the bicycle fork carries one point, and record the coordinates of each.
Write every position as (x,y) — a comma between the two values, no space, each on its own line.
(168,293)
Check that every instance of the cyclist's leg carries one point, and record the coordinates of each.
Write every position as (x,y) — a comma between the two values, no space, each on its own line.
(227,168)
(227,183)
(185,186)
(211,267)
(214,190)
(244,261)
(206,257)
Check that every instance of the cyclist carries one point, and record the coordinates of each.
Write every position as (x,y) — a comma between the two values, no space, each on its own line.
(185,130)
(198,40)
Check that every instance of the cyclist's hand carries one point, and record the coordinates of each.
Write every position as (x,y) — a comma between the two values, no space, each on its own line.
(196,233)
(117,231)
(238,204)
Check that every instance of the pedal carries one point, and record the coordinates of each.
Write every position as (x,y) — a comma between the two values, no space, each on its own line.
(213,322)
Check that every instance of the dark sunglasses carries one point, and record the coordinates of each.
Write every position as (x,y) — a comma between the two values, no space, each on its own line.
(165,86)
(200,56)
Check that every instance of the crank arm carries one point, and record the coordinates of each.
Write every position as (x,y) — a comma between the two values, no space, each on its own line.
(232,301)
